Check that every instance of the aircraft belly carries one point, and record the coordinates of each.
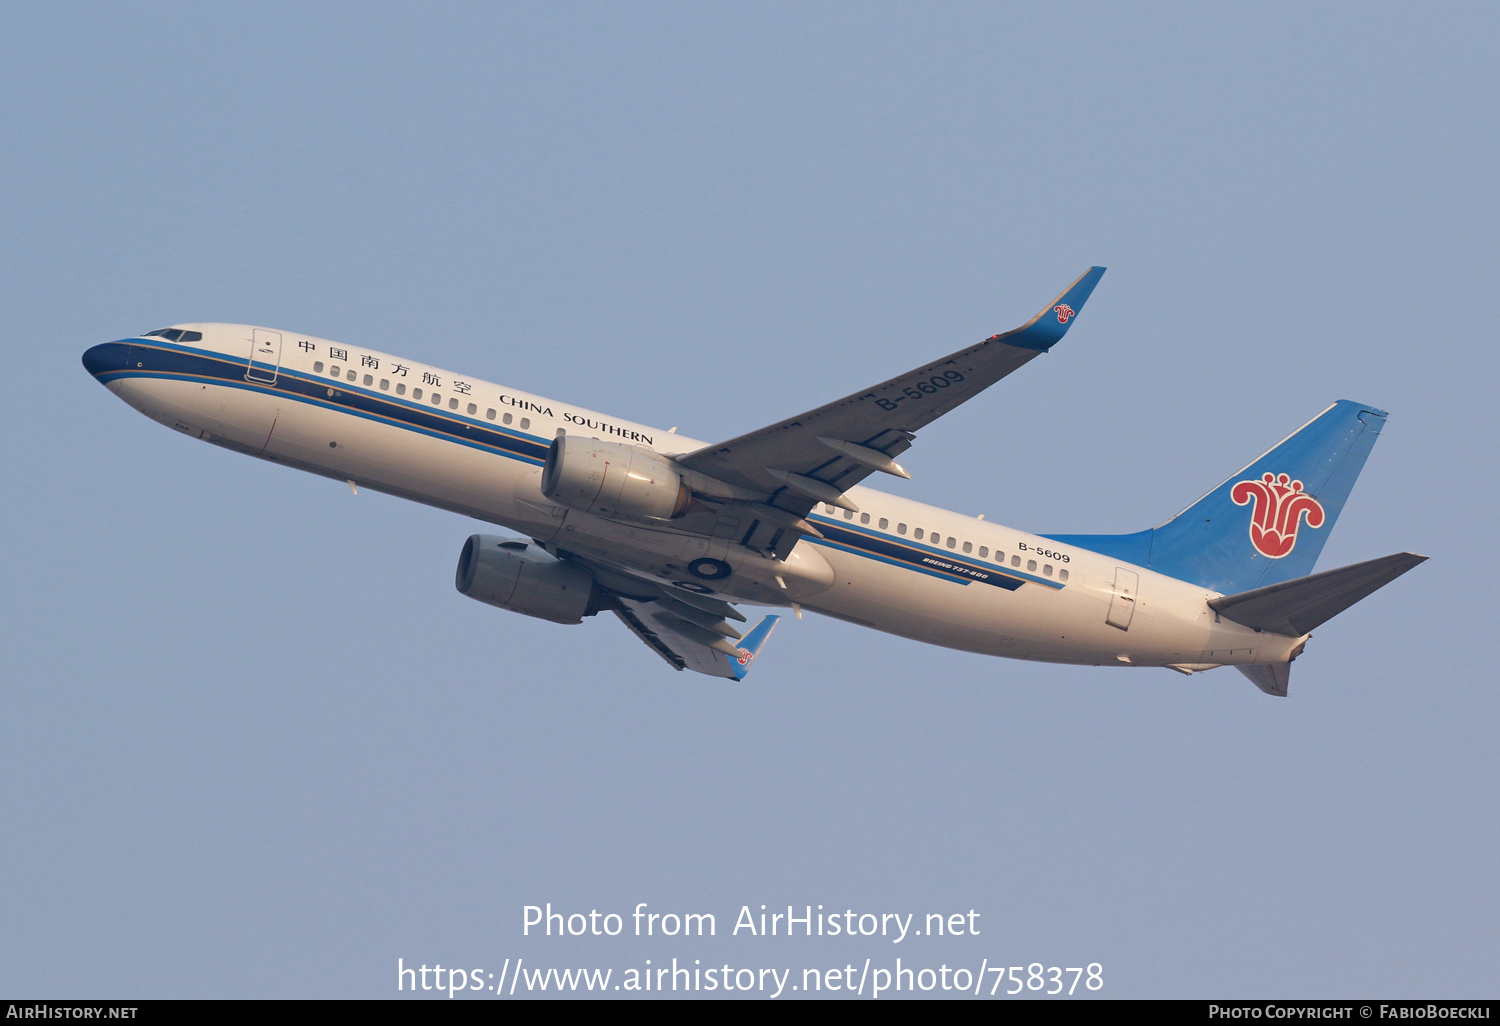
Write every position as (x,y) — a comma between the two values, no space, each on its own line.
(913,605)
(1031,622)
(380,456)
(195,408)
(434,471)
(450,475)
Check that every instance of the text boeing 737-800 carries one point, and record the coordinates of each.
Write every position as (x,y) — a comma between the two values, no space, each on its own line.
(667,533)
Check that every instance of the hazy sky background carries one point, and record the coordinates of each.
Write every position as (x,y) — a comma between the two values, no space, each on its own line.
(254,743)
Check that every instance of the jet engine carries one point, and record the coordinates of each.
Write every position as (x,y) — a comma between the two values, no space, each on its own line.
(612,479)
(515,574)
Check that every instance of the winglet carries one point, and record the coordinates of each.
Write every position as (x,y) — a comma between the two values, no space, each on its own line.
(1047,328)
(750,647)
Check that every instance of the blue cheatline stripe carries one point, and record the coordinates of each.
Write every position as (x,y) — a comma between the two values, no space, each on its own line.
(903,564)
(185,363)
(182,363)
(865,542)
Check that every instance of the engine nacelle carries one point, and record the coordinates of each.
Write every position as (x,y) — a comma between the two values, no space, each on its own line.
(611,479)
(524,578)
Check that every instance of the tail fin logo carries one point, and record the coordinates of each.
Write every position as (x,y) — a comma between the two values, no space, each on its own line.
(1063,311)
(1280,505)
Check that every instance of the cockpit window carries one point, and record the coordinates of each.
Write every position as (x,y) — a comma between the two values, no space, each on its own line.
(175,335)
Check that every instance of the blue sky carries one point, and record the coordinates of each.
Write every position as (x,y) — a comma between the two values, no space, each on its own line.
(254,743)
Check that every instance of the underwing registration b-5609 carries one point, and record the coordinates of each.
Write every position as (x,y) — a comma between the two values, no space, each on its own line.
(671,534)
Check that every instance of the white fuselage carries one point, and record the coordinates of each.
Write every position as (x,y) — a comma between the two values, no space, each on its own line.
(476,448)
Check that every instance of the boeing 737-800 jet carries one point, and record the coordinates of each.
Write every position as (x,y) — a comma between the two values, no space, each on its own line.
(668,533)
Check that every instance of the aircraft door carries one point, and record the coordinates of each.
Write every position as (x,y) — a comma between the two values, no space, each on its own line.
(265,356)
(1122,602)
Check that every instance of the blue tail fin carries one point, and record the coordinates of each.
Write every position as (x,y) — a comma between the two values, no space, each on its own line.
(1265,524)
(750,647)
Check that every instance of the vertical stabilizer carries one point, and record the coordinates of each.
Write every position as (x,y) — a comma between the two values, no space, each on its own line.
(1267,523)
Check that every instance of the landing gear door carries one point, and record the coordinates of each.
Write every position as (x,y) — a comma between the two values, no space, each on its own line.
(265,356)
(1122,602)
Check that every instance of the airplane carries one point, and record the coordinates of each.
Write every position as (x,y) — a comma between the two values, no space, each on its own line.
(669,533)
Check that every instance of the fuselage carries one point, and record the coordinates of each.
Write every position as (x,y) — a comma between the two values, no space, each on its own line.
(477,448)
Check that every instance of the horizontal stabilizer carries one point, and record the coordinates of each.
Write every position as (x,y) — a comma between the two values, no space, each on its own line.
(1296,607)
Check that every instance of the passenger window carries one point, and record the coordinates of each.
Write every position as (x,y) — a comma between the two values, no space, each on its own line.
(525,423)
(952,541)
(917,534)
(507,418)
(935,538)
(385,384)
(351,374)
(437,399)
(452,404)
(984,552)
(1015,560)
(900,528)
(473,409)
(1031,565)
(318,367)
(1062,575)
(968,546)
(489,414)
(416,393)
(832,510)
(864,518)
(335,371)
(400,388)
(369,380)
(1047,569)
(884,524)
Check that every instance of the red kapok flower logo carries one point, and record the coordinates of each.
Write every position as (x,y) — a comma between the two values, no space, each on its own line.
(1280,505)
(1064,311)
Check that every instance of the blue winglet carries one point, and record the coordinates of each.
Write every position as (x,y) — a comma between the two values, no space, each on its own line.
(1047,328)
(750,647)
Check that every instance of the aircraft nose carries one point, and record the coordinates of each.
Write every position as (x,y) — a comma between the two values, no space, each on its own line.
(101,359)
